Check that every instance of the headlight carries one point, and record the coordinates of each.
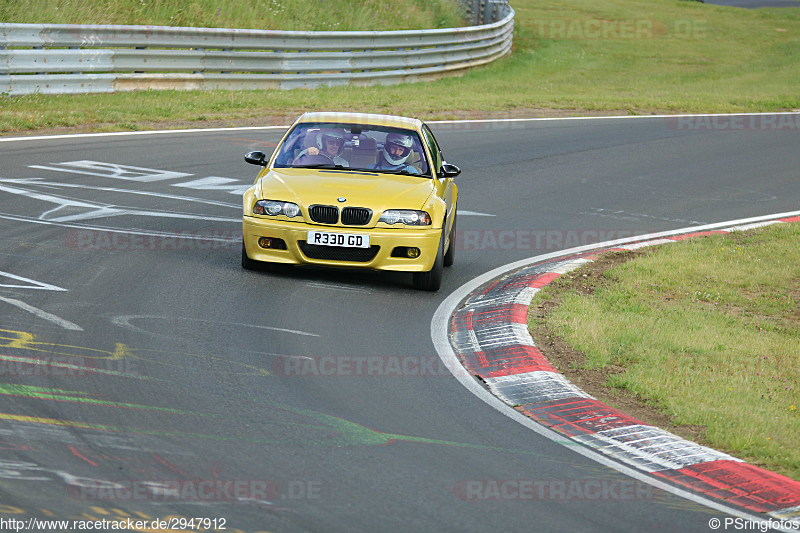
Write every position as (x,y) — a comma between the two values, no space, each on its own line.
(273,208)
(406,216)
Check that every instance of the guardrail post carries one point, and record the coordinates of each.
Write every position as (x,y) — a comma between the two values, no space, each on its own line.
(226,50)
(199,50)
(474,11)
(488,8)
(140,48)
(5,79)
(39,48)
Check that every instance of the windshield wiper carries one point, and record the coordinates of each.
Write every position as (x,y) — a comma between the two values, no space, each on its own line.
(318,165)
(399,172)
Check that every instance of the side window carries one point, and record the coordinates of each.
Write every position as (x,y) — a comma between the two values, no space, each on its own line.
(291,146)
(436,153)
(418,159)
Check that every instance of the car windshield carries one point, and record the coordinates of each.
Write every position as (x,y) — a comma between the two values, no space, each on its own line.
(353,147)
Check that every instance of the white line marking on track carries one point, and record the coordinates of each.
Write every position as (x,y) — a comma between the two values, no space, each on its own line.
(607,117)
(474,213)
(96,210)
(114,171)
(336,286)
(110,229)
(129,133)
(475,121)
(29,283)
(125,322)
(440,336)
(285,356)
(56,185)
(66,324)
(216,183)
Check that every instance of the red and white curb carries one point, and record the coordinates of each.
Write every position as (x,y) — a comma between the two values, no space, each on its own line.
(489,334)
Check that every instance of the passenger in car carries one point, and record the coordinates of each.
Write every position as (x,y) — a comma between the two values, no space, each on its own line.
(395,153)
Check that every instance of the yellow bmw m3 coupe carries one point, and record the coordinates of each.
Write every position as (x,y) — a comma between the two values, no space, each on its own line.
(353,190)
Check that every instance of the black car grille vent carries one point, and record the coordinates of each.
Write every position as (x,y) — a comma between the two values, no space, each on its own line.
(329,214)
(338,253)
(324,214)
(356,216)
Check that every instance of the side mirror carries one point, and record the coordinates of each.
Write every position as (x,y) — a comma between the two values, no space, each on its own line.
(256,158)
(449,171)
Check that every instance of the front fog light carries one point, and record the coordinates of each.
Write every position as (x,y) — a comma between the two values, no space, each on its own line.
(413,253)
(272,243)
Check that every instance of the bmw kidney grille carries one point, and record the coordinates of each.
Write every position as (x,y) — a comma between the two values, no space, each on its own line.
(329,214)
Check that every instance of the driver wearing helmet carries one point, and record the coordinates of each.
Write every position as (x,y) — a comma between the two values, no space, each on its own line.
(395,153)
(330,144)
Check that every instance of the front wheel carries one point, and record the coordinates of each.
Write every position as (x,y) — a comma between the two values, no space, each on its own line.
(432,279)
(450,256)
(247,263)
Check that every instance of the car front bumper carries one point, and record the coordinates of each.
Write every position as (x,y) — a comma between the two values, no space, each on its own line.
(383,241)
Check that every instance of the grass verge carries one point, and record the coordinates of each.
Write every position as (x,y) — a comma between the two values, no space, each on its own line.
(300,15)
(629,56)
(704,333)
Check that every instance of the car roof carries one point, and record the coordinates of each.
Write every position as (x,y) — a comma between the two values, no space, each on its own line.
(362,118)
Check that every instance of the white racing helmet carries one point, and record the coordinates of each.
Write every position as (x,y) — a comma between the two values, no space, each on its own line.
(402,143)
(330,134)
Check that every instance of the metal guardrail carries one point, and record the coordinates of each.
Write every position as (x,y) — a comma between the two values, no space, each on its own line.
(66,58)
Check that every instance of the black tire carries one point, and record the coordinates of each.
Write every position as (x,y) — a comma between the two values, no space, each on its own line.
(450,256)
(432,279)
(247,263)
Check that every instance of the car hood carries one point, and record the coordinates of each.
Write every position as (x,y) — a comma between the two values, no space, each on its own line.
(360,189)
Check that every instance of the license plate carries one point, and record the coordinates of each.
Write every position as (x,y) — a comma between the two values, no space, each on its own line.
(347,240)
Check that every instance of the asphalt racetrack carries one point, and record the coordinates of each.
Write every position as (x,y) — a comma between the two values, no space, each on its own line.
(144,375)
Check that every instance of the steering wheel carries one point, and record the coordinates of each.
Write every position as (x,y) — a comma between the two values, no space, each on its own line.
(317,159)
